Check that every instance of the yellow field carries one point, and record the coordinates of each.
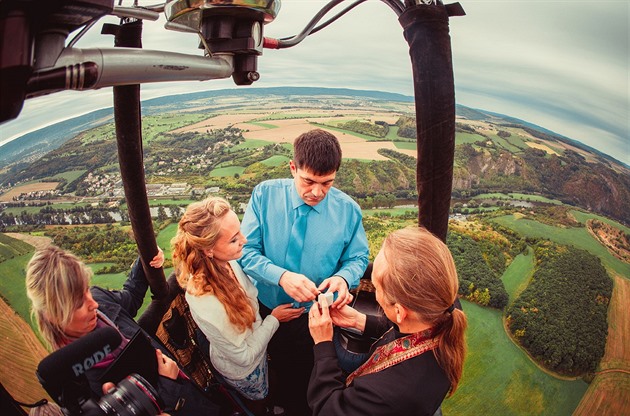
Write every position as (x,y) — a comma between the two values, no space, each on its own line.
(609,393)
(31,187)
(541,146)
(39,242)
(288,129)
(20,353)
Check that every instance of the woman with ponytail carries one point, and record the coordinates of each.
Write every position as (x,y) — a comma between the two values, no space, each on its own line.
(222,300)
(419,360)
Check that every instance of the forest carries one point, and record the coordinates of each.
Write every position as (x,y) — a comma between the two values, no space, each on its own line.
(478,282)
(561,317)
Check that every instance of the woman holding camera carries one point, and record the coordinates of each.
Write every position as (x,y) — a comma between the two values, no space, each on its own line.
(419,360)
(66,308)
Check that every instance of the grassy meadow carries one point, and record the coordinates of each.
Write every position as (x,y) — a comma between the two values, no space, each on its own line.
(12,284)
(517,276)
(227,171)
(518,196)
(577,237)
(499,378)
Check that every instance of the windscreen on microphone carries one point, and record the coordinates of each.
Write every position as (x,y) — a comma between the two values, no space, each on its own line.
(76,358)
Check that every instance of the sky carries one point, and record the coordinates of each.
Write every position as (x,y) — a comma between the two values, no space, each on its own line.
(562,65)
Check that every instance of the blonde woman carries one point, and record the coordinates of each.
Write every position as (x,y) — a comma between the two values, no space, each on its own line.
(222,300)
(419,360)
(66,308)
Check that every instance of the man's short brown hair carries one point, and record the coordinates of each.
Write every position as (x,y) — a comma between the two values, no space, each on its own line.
(317,151)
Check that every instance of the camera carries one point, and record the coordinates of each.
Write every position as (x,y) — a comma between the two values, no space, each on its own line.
(63,376)
(131,396)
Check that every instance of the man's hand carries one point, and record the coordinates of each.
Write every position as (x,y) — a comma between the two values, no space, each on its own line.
(298,286)
(319,323)
(337,284)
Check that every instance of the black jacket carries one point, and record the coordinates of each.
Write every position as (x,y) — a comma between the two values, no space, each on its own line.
(413,387)
(121,306)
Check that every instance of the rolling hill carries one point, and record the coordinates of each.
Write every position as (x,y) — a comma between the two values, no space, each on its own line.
(494,153)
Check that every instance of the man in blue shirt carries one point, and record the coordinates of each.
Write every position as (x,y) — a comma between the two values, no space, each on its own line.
(304,237)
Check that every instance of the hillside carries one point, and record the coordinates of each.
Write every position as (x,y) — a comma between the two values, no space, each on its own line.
(33,145)
(233,141)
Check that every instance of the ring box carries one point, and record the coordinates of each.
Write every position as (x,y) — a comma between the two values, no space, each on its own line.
(329,296)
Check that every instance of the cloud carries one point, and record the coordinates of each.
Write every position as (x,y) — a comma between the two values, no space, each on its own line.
(559,64)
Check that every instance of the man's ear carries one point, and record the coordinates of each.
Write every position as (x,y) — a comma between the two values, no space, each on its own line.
(293,167)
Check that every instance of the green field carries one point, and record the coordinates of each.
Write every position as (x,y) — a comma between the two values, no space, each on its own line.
(35,210)
(169,201)
(71,175)
(406,145)
(164,239)
(154,202)
(461,138)
(227,171)
(154,126)
(517,141)
(251,144)
(12,284)
(264,125)
(499,379)
(516,277)
(578,237)
(517,196)
(500,141)
(394,212)
(351,133)
(290,116)
(585,216)
(276,160)
(392,134)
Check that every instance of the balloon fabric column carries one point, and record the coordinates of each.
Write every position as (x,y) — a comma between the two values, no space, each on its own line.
(427,33)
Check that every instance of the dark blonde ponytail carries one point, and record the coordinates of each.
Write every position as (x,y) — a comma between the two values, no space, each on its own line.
(421,276)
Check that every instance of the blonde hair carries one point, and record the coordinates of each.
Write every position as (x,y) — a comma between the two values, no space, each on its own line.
(197,233)
(421,276)
(56,282)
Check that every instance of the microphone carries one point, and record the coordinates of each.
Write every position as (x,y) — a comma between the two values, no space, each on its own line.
(64,366)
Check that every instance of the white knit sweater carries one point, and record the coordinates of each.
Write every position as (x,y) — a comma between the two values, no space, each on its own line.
(234,354)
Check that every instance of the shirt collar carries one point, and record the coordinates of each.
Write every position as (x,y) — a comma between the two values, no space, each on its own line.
(297,201)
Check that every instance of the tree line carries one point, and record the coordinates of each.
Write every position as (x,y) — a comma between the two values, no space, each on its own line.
(478,281)
(561,317)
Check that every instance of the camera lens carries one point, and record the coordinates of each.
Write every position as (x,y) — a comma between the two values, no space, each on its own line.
(132,396)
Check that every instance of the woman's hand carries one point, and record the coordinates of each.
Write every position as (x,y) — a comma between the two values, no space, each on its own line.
(166,367)
(286,312)
(158,260)
(319,323)
(348,317)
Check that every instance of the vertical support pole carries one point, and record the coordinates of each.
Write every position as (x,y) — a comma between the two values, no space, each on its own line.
(130,157)
(426,31)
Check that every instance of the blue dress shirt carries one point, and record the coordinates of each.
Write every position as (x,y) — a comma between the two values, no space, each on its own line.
(334,239)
